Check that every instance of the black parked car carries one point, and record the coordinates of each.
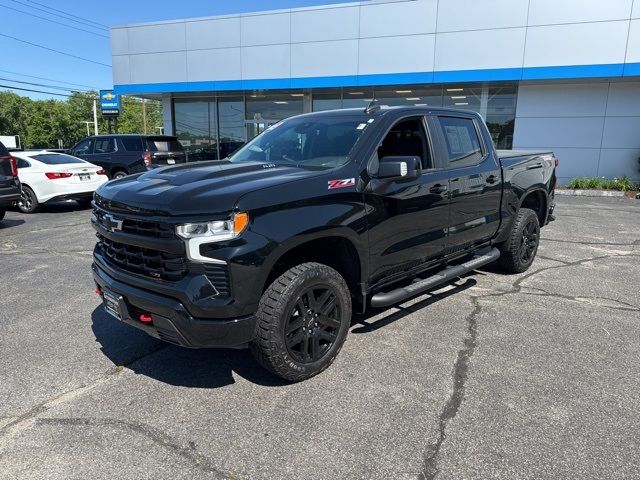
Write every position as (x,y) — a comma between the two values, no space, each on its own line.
(121,155)
(9,183)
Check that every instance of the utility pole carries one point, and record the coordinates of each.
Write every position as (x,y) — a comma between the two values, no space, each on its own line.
(87,124)
(144,115)
(95,116)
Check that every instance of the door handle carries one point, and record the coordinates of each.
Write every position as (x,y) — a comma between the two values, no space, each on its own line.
(491,179)
(533,167)
(437,188)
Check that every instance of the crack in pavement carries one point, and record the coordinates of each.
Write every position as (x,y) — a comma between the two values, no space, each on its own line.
(575,242)
(461,364)
(628,307)
(26,419)
(157,436)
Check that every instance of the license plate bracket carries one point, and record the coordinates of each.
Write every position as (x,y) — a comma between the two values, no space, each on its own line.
(111,303)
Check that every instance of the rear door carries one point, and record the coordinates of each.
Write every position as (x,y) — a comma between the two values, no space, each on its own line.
(475,181)
(103,150)
(407,218)
(165,150)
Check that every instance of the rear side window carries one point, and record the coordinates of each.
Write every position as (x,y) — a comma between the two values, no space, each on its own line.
(56,159)
(104,145)
(163,145)
(132,144)
(3,151)
(22,163)
(461,138)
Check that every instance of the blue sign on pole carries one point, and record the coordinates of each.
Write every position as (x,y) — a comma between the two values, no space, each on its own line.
(109,103)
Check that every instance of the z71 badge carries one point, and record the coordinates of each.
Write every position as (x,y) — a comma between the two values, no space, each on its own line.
(342,183)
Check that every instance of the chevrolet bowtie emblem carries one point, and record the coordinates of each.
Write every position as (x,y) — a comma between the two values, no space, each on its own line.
(108,96)
(111,223)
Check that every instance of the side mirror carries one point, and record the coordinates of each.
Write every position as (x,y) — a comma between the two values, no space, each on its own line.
(399,167)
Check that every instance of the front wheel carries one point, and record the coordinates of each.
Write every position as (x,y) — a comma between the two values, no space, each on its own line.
(303,319)
(28,202)
(519,250)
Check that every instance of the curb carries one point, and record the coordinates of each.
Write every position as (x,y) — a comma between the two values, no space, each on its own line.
(589,193)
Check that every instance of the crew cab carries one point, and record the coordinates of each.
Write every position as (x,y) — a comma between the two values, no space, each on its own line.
(9,183)
(275,246)
(121,155)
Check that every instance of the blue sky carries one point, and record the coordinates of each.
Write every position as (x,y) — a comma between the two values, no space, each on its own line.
(18,19)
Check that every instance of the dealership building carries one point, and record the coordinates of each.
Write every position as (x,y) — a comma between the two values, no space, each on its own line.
(544,74)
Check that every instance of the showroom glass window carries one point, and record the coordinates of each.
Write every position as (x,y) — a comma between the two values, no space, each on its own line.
(232,134)
(196,127)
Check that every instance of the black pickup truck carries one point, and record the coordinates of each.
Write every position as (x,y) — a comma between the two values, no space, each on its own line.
(9,183)
(275,246)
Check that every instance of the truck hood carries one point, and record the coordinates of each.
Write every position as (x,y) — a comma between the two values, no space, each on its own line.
(204,188)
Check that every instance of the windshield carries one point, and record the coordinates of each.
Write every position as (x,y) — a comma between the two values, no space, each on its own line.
(56,159)
(323,142)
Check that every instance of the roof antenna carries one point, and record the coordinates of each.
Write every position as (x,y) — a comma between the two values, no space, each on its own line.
(372,107)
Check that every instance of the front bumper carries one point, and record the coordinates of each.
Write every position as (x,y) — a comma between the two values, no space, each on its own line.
(171,321)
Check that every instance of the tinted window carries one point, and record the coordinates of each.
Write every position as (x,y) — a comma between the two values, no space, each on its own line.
(104,145)
(83,148)
(132,144)
(461,138)
(22,163)
(56,159)
(163,145)
(407,138)
(3,150)
(320,142)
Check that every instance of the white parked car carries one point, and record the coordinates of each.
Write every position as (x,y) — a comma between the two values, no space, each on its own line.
(49,176)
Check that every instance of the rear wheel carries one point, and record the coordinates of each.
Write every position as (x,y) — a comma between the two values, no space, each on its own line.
(28,202)
(518,252)
(118,174)
(303,319)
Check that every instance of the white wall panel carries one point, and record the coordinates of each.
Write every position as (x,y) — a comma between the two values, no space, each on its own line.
(119,41)
(316,59)
(624,99)
(480,49)
(398,18)
(619,162)
(164,37)
(414,53)
(324,24)
(266,29)
(158,67)
(558,132)
(633,45)
(549,12)
(217,63)
(456,15)
(121,70)
(272,61)
(576,162)
(579,44)
(562,100)
(621,132)
(215,33)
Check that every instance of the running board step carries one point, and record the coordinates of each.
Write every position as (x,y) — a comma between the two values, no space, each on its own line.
(384,299)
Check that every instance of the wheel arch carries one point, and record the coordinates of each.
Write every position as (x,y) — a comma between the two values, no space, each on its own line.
(536,199)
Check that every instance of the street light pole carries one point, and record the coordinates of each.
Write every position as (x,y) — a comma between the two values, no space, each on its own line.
(87,124)
(95,116)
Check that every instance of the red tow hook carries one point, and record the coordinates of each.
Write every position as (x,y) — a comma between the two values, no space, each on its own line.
(146,318)
(98,291)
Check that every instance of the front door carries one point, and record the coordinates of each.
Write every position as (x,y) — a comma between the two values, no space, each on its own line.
(475,182)
(408,219)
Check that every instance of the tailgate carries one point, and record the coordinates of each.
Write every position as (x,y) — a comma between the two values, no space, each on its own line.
(168,158)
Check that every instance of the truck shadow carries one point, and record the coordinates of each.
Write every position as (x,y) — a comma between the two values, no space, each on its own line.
(10,222)
(214,368)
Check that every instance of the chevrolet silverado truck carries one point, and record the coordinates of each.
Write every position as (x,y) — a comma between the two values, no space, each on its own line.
(9,183)
(273,247)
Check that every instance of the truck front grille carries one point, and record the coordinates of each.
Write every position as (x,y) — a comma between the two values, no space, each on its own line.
(143,261)
(140,227)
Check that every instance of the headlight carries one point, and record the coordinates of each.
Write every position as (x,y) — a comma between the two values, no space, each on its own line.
(217,231)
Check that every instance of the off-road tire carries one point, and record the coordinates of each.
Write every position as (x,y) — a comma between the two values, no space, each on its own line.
(277,308)
(512,259)
(28,202)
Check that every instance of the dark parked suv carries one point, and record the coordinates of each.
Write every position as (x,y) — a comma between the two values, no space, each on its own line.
(121,155)
(9,183)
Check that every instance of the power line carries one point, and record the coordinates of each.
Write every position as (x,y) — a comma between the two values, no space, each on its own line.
(69,14)
(36,91)
(53,21)
(66,89)
(48,79)
(60,16)
(55,51)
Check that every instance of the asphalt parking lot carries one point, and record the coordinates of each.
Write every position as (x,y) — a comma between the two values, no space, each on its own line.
(504,377)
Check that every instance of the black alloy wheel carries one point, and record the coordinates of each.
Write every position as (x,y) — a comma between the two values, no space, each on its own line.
(528,242)
(313,325)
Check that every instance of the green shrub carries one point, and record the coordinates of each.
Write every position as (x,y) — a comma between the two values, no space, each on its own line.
(596,183)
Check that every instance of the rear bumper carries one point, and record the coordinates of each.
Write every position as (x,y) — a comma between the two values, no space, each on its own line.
(171,320)
(9,195)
